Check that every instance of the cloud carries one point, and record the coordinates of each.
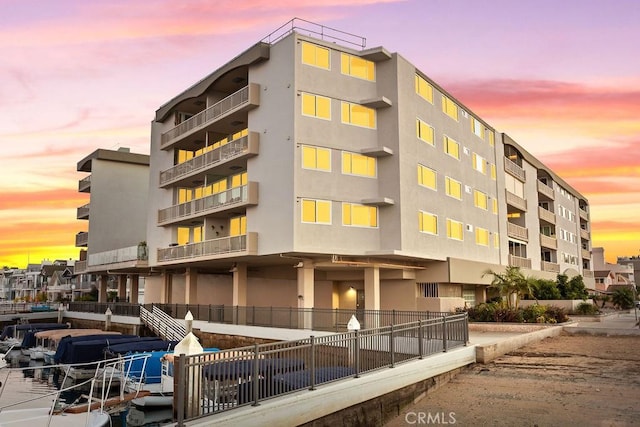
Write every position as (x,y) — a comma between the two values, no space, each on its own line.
(57,198)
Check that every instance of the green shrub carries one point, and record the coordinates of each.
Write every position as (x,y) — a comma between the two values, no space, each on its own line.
(533,312)
(587,308)
(556,315)
(546,289)
(623,298)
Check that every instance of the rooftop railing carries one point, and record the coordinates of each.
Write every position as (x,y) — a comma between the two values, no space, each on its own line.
(318,31)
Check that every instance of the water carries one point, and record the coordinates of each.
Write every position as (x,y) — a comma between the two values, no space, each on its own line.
(36,381)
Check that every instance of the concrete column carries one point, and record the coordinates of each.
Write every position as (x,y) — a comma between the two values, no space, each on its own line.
(372,294)
(133,296)
(191,286)
(122,287)
(165,294)
(102,288)
(240,284)
(306,290)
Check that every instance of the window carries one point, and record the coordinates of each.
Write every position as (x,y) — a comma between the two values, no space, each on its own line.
(495,206)
(492,139)
(482,237)
(494,175)
(451,147)
(480,199)
(449,108)
(358,67)
(238,180)
(453,188)
(426,177)
(316,211)
(424,132)
(479,163)
(315,55)
(316,158)
(359,215)
(496,240)
(454,229)
(469,295)
(477,127)
(428,290)
(514,186)
(238,226)
(358,164)
(358,115)
(428,222)
(316,106)
(424,89)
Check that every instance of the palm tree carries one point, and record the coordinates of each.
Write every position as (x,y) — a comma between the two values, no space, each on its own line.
(511,285)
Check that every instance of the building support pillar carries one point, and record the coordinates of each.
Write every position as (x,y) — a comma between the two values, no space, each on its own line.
(133,294)
(191,286)
(306,292)
(165,294)
(122,287)
(102,288)
(240,292)
(372,294)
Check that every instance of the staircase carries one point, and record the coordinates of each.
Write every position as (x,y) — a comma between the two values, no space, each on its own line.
(162,324)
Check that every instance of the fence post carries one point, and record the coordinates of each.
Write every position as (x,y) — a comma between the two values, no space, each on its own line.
(209,314)
(393,316)
(391,348)
(312,372)
(357,353)
(444,333)
(180,380)
(466,329)
(256,373)
(290,319)
(420,339)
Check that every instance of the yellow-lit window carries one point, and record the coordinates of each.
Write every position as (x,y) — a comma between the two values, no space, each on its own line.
(316,158)
(358,67)
(358,164)
(184,195)
(197,234)
(424,89)
(219,186)
(238,180)
(183,235)
(496,240)
(480,200)
(451,147)
(238,135)
(428,222)
(479,163)
(453,188)
(359,215)
(316,211)
(477,127)
(493,172)
(494,206)
(482,237)
(238,226)
(316,106)
(424,131)
(492,140)
(449,107)
(426,177)
(183,155)
(454,229)
(315,55)
(358,115)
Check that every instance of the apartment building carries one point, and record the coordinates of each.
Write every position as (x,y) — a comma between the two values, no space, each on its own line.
(311,171)
(114,254)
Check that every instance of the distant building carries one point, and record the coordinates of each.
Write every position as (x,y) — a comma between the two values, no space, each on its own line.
(115,253)
(610,276)
(313,172)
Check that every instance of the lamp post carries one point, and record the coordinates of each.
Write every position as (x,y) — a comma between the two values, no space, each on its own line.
(73,293)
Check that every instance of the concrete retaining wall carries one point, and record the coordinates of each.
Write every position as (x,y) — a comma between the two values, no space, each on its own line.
(487,352)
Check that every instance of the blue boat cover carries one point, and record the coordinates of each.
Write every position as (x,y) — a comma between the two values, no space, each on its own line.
(8,331)
(142,346)
(290,381)
(236,369)
(65,344)
(94,350)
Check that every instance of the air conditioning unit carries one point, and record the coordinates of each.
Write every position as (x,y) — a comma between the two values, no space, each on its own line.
(469,227)
(466,150)
(467,189)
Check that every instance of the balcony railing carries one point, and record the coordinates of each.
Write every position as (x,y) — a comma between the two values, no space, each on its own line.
(587,273)
(84,186)
(546,190)
(246,244)
(517,232)
(546,215)
(247,96)
(516,261)
(515,170)
(83,212)
(516,201)
(583,214)
(82,239)
(550,266)
(118,256)
(247,145)
(584,234)
(548,242)
(80,267)
(586,254)
(243,195)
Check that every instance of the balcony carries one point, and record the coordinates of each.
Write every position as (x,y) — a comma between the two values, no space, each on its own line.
(82,239)
(584,215)
(548,242)
(546,215)
(83,212)
(246,195)
(551,267)
(84,185)
(516,261)
(241,101)
(584,234)
(586,254)
(587,274)
(546,190)
(515,170)
(230,155)
(516,201)
(211,249)
(517,232)
(128,257)
(80,267)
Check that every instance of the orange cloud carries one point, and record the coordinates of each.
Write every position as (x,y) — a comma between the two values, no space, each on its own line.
(58,198)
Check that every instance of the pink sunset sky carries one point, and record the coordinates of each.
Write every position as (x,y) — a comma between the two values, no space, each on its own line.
(562,78)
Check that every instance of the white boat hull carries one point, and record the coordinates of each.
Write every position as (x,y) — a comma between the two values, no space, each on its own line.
(40,417)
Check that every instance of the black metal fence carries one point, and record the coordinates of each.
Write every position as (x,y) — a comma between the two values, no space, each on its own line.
(215,382)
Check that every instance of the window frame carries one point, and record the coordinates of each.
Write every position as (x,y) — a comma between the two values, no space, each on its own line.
(349,73)
(451,222)
(446,141)
(315,47)
(421,215)
(435,177)
(368,159)
(447,185)
(316,149)
(316,207)
(349,105)
(316,97)
(351,205)
(420,122)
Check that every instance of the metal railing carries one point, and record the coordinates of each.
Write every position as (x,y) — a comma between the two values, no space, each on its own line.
(518,232)
(517,261)
(514,169)
(546,190)
(221,381)
(546,215)
(516,201)
(548,241)
(84,184)
(221,246)
(319,31)
(117,308)
(162,324)
(83,211)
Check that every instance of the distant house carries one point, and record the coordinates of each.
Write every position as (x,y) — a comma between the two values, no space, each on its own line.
(608,276)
